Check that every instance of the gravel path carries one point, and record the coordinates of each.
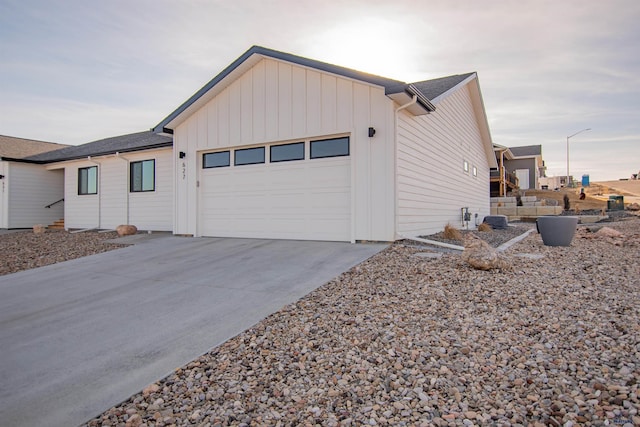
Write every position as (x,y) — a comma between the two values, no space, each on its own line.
(23,250)
(407,340)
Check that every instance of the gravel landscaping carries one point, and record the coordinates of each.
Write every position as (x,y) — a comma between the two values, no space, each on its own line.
(22,250)
(402,339)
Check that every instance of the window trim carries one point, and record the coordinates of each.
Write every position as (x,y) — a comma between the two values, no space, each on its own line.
(235,156)
(131,177)
(311,156)
(271,147)
(88,192)
(204,155)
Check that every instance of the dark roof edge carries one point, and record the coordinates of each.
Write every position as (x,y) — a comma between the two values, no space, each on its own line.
(259,50)
(98,154)
(411,89)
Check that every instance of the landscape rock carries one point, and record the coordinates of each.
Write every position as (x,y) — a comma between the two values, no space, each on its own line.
(609,232)
(39,229)
(480,255)
(633,207)
(126,230)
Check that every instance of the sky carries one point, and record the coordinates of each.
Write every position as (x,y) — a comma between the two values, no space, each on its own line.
(75,71)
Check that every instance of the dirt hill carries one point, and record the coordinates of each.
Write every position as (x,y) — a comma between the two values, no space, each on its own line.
(597,194)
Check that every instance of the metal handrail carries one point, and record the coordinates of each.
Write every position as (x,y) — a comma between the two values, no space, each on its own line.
(54,203)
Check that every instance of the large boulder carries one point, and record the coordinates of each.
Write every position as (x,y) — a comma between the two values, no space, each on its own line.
(126,230)
(633,207)
(480,255)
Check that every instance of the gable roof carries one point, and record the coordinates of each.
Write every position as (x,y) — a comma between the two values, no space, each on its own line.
(399,91)
(19,148)
(118,144)
(434,89)
(527,151)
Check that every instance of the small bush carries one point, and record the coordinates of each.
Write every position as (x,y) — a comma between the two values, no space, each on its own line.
(484,227)
(452,233)
(567,203)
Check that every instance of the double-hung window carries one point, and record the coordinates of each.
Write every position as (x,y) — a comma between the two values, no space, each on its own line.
(88,180)
(143,176)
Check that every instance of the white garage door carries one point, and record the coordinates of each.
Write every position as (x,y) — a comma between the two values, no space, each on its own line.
(306,199)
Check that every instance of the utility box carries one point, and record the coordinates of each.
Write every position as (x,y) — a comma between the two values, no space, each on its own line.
(615,203)
(585,180)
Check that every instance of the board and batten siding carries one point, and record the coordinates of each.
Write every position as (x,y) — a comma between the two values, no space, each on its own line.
(29,189)
(115,204)
(431,183)
(276,101)
(4,194)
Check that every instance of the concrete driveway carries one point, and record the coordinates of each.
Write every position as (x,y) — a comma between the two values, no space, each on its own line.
(81,336)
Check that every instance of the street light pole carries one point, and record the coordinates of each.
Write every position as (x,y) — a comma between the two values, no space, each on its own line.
(571,136)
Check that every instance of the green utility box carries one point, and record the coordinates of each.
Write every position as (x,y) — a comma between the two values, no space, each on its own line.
(615,203)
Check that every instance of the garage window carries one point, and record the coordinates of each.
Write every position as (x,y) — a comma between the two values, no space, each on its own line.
(249,156)
(215,160)
(334,147)
(287,152)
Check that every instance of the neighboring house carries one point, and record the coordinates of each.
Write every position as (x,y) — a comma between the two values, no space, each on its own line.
(28,193)
(280,146)
(126,179)
(518,168)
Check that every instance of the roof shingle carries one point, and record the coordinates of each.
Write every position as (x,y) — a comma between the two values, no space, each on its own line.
(19,148)
(117,144)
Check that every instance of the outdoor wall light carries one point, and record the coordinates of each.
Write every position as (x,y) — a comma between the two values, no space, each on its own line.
(372,132)
(182,155)
(1,176)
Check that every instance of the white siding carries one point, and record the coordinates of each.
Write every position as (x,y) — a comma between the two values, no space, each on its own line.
(29,189)
(278,101)
(432,185)
(115,204)
(4,194)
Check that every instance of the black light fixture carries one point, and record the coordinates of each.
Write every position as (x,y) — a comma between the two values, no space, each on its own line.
(1,176)
(372,132)
(182,154)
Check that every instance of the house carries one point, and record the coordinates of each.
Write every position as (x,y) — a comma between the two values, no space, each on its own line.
(281,146)
(29,195)
(126,179)
(518,168)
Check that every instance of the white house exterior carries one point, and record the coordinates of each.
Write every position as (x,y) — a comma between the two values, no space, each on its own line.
(279,146)
(28,193)
(121,180)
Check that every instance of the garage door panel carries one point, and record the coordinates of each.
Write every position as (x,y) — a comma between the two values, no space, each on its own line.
(307,200)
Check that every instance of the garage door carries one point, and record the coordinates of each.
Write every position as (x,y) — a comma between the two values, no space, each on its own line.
(299,190)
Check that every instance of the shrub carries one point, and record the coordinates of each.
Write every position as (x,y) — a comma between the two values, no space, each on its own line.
(484,227)
(452,233)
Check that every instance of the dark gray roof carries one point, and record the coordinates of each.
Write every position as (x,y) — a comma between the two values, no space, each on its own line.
(526,150)
(425,91)
(117,144)
(436,87)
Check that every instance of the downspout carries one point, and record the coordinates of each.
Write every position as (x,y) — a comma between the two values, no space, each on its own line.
(99,189)
(395,157)
(126,184)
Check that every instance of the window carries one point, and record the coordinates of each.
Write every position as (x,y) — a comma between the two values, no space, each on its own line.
(88,180)
(287,152)
(330,148)
(143,176)
(465,166)
(216,160)
(249,156)
(474,171)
